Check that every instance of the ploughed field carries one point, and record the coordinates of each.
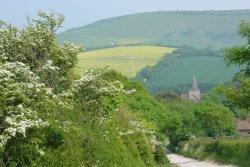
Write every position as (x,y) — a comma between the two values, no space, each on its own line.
(128,60)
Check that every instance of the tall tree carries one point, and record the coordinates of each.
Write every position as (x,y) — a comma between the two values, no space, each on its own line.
(239,93)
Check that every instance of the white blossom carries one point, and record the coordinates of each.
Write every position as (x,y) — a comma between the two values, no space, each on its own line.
(18,82)
(50,66)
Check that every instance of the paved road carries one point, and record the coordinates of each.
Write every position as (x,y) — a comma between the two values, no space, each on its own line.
(189,162)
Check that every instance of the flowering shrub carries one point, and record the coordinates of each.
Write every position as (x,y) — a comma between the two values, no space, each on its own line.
(97,94)
(19,88)
(92,81)
(36,46)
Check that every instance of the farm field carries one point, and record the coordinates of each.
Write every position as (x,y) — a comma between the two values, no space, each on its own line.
(127,60)
(206,69)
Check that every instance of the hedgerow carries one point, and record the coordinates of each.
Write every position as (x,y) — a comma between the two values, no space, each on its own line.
(225,150)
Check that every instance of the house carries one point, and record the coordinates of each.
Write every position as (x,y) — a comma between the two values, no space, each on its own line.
(243,126)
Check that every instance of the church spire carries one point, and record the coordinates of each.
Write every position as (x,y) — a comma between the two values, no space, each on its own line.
(194,93)
(194,84)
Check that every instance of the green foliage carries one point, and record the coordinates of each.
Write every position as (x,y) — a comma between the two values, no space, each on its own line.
(26,150)
(53,138)
(193,120)
(168,96)
(36,46)
(160,155)
(162,118)
(215,119)
(225,150)
(238,93)
(19,150)
(215,96)
(240,55)
(195,28)
(189,126)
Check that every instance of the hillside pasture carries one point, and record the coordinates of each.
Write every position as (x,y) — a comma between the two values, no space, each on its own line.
(127,60)
(206,69)
(194,28)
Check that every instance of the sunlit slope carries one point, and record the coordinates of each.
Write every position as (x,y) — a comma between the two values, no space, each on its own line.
(127,60)
(200,29)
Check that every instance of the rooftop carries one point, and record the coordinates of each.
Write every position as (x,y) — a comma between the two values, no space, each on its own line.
(243,125)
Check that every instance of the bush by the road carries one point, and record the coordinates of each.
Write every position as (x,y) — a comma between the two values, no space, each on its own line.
(227,150)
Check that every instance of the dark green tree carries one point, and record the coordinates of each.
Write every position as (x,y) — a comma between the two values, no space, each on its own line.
(239,92)
(240,55)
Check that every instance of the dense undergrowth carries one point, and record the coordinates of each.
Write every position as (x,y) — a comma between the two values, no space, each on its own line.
(225,150)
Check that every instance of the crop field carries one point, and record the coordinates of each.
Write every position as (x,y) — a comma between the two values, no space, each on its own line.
(127,60)
(204,68)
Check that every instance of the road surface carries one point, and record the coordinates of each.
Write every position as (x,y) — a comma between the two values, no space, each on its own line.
(189,162)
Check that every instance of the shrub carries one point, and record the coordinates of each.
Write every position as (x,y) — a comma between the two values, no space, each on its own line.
(225,150)
(215,119)
(160,155)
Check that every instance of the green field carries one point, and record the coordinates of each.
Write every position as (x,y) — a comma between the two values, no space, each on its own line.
(194,28)
(127,60)
(206,69)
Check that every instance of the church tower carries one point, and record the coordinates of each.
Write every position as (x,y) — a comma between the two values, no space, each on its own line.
(194,93)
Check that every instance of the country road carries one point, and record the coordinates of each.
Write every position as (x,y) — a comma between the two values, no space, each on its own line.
(189,162)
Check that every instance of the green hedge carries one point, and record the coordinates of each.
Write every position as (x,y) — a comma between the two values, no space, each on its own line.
(224,150)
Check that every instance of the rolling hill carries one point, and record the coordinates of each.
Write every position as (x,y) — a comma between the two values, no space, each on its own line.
(194,28)
(206,70)
(175,71)
(128,60)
